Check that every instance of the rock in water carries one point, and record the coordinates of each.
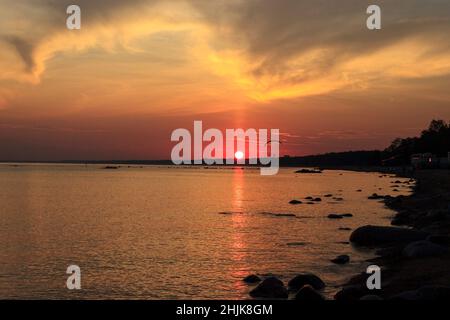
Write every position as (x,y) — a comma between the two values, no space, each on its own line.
(306,279)
(351,293)
(309,171)
(342,259)
(289,215)
(307,293)
(252,278)
(380,235)
(296,243)
(375,196)
(347,215)
(284,215)
(339,216)
(110,168)
(271,287)
(295,202)
(420,249)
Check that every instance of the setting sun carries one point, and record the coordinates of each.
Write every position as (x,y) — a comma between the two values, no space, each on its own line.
(239,155)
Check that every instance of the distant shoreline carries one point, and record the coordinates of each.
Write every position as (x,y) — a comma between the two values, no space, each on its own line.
(359,168)
(340,159)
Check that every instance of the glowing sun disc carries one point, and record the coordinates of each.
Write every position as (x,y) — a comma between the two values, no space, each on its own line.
(239,155)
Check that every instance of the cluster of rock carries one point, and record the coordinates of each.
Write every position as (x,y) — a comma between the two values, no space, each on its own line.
(413,243)
(430,220)
(342,259)
(305,287)
(398,243)
(376,196)
(312,200)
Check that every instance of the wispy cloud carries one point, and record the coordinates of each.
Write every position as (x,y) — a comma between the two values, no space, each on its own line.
(270,49)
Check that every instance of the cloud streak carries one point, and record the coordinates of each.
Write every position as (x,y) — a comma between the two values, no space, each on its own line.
(290,48)
(269,49)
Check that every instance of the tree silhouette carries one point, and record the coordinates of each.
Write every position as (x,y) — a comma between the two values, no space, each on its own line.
(435,140)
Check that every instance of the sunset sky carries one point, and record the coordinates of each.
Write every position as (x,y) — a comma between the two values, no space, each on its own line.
(138,69)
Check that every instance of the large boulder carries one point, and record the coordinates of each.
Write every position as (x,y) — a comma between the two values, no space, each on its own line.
(342,259)
(351,293)
(390,252)
(420,249)
(401,218)
(272,288)
(252,278)
(304,279)
(380,235)
(375,196)
(307,293)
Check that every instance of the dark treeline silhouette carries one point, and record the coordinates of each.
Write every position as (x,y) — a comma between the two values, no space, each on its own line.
(434,140)
(350,158)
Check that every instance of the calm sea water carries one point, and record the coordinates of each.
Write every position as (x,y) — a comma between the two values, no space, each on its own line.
(157,232)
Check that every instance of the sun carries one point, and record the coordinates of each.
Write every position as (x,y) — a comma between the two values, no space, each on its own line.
(239,155)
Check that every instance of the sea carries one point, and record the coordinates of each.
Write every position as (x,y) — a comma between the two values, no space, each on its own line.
(168,232)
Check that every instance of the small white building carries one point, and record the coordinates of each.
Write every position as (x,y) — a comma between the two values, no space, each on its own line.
(429,160)
(424,160)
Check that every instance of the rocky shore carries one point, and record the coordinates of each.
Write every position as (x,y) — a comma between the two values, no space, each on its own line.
(413,254)
(415,260)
